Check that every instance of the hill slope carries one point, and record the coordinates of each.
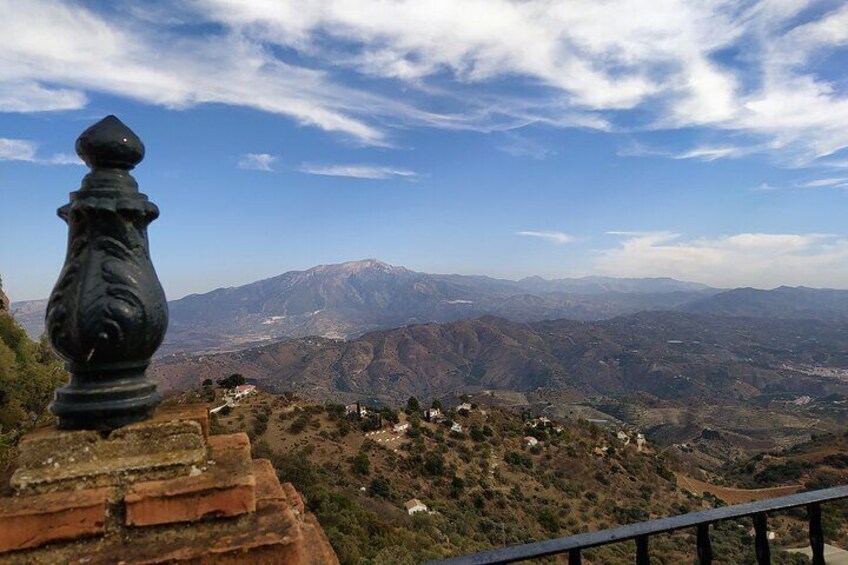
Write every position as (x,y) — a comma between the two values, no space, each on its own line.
(669,355)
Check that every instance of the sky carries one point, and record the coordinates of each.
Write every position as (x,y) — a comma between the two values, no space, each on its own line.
(704,140)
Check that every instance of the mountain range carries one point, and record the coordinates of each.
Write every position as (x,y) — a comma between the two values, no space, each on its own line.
(667,355)
(349,299)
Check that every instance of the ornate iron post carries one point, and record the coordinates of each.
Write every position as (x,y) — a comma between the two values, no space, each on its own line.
(107,314)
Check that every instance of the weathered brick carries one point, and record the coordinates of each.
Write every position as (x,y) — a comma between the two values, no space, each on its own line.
(185,412)
(268,487)
(294,498)
(30,521)
(266,536)
(224,488)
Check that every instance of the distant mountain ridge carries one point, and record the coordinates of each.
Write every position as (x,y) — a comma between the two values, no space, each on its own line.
(668,355)
(784,302)
(349,299)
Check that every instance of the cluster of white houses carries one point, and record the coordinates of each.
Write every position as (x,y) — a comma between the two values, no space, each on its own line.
(232,396)
(630,437)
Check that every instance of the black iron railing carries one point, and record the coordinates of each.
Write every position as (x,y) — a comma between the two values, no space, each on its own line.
(700,521)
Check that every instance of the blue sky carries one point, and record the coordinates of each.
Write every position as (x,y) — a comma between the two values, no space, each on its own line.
(700,140)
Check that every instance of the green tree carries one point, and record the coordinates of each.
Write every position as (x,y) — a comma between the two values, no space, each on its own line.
(361,464)
(434,463)
(29,373)
(412,405)
(380,487)
(234,380)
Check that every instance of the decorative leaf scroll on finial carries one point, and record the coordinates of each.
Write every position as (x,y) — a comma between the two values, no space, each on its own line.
(107,314)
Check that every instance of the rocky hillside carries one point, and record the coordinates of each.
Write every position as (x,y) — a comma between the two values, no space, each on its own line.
(667,355)
(483,487)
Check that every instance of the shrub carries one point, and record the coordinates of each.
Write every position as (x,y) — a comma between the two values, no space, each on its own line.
(361,465)
(232,381)
(380,486)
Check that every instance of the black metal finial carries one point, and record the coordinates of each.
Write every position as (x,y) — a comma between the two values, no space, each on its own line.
(110,144)
(107,314)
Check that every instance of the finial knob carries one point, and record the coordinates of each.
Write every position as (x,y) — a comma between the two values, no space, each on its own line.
(109,144)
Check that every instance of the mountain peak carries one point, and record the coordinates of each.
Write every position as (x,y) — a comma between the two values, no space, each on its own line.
(352,267)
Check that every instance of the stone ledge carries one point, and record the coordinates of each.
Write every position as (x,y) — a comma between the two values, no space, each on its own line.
(225,488)
(169,445)
(30,521)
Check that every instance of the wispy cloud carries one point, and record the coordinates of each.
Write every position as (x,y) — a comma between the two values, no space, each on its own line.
(581,64)
(744,259)
(358,171)
(521,146)
(557,237)
(840,182)
(27,151)
(709,153)
(700,153)
(764,187)
(257,162)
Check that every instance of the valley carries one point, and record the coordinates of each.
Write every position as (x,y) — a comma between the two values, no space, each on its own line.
(712,389)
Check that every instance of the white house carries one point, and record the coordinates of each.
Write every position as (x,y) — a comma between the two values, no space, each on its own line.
(242,390)
(623,437)
(397,428)
(414,505)
(456,427)
(464,406)
(433,415)
(530,441)
(356,408)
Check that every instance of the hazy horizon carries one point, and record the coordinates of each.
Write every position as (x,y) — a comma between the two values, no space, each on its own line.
(513,279)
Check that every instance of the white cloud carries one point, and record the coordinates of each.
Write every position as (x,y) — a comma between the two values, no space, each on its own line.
(257,162)
(17,150)
(24,150)
(27,96)
(764,187)
(700,153)
(358,171)
(709,153)
(825,182)
(557,237)
(576,64)
(745,259)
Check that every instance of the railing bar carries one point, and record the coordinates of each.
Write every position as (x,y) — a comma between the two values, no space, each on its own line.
(594,539)
(816,533)
(574,557)
(705,546)
(761,544)
(643,557)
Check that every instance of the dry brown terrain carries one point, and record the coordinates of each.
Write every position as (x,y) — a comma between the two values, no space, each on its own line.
(733,495)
